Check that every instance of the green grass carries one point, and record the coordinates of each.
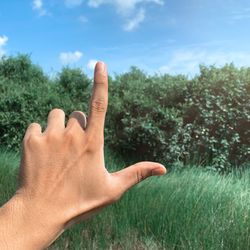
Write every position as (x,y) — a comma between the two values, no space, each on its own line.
(187,209)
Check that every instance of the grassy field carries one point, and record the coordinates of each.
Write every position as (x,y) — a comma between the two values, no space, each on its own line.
(187,209)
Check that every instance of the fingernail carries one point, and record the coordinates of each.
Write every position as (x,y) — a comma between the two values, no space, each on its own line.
(101,67)
(159,171)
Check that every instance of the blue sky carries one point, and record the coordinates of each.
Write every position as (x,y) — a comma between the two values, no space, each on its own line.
(158,36)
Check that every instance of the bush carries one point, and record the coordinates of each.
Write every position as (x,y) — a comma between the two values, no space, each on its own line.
(162,118)
(20,69)
(74,83)
(165,118)
(27,96)
(218,108)
(143,121)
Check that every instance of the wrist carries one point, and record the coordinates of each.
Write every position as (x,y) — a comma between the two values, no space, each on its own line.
(23,225)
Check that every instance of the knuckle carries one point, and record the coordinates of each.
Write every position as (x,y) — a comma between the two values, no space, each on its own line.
(74,136)
(101,79)
(34,124)
(140,177)
(99,105)
(90,147)
(57,111)
(70,135)
(32,140)
(94,143)
(52,137)
(89,141)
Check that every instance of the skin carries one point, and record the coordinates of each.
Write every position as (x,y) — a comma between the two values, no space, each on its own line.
(63,179)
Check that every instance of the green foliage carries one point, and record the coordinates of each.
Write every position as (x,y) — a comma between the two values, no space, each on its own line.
(74,83)
(164,118)
(169,118)
(218,107)
(146,115)
(20,69)
(27,96)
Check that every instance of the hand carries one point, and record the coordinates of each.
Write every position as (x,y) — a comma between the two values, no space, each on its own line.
(63,178)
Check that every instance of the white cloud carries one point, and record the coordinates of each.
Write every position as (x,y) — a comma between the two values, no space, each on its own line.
(127,9)
(70,57)
(188,61)
(135,21)
(73,3)
(91,64)
(38,6)
(121,5)
(3,41)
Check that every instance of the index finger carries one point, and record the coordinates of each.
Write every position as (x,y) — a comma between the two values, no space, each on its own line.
(99,102)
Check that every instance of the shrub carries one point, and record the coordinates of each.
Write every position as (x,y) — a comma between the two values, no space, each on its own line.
(164,118)
(74,83)
(146,115)
(218,108)
(20,69)
(27,96)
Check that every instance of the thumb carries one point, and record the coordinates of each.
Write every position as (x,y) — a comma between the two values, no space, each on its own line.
(128,177)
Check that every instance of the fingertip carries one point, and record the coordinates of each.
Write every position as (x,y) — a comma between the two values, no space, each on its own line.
(100,67)
(34,128)
(153,166)
(160,170)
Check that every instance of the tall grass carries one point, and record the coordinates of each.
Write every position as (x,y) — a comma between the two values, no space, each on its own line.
(9,163)
(186,209)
